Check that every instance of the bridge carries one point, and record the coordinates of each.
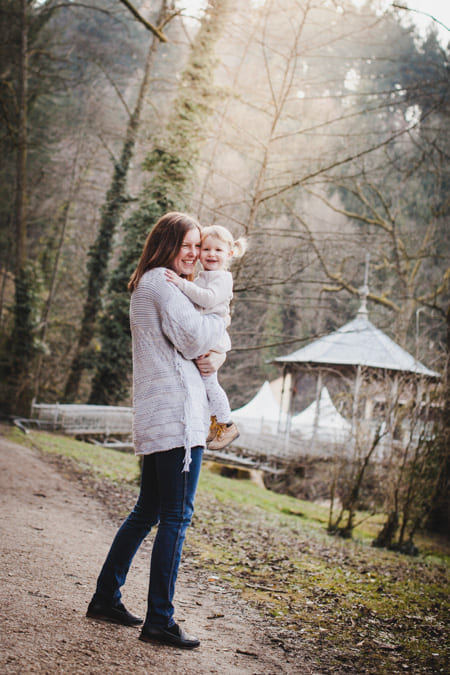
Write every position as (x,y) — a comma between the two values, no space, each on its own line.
(111,427)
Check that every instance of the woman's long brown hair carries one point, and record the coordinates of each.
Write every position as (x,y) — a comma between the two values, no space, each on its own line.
(163,244)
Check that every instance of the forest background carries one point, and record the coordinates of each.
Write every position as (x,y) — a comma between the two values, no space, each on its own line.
(318,130)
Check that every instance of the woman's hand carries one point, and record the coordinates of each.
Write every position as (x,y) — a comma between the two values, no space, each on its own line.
(210,362)
(172,277)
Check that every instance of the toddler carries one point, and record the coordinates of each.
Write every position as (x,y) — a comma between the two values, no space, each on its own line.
(211,292)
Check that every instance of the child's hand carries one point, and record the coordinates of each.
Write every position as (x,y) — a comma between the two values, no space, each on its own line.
(172,276)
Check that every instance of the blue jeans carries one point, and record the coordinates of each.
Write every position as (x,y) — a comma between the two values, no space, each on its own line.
(166,497)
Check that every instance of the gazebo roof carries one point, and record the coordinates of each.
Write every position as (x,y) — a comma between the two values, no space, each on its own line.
(358,342)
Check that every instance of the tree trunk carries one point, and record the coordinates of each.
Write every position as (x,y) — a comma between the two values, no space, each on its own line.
(21,345)
(5,274)
(21,161)
(51,295)
(439,518)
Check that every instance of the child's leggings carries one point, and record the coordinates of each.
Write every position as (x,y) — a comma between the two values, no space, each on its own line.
(217,399)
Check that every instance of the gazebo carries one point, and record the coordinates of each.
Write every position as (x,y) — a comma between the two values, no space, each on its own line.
(358,351)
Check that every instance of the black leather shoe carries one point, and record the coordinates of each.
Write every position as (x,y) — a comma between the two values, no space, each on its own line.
(174,636)
(117,614)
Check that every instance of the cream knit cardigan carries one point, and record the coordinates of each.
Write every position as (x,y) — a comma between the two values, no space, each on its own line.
(170,408)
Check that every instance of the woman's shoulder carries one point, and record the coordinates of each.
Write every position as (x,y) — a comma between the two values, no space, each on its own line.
(155,273)
(151,277)
(152,282)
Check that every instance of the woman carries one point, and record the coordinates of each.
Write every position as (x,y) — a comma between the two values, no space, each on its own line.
(171,421)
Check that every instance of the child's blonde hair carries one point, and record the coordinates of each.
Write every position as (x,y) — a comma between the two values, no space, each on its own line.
(238,246)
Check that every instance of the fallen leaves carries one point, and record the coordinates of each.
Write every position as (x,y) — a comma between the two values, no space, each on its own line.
(350,604)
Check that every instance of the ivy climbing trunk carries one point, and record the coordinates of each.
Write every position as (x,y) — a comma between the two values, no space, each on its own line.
(100,252)
(16,394)
(171,165)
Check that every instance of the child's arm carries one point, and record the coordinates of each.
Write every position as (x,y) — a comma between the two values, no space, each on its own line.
(219,289)
(173,277)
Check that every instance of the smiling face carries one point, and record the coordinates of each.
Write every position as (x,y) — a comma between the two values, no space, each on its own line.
(184,262)
(215,254)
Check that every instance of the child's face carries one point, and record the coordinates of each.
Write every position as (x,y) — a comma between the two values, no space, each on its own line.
(214,254)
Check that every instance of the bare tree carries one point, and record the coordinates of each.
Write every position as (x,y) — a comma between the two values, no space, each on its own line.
(306,117)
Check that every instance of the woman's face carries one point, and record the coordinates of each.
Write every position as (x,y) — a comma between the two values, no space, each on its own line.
(184,263)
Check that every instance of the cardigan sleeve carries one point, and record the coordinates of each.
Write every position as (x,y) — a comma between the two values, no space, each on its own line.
(219,289)
(158,301)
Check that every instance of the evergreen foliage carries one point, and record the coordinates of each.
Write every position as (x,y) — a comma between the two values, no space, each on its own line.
(24,36)
(111,212)
(100,254)
(50,68)
(16,388)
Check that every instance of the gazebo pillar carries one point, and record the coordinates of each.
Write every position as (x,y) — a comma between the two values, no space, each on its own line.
(283,391)
(317,410)
(358,380)
(287,370)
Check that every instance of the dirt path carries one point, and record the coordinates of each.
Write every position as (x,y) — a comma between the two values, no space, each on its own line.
(53,540)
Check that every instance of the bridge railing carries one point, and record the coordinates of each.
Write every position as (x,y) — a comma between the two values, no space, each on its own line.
(82,420)
(260,446)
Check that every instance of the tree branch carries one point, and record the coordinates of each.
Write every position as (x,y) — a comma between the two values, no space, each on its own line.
(418,11)
(144,22)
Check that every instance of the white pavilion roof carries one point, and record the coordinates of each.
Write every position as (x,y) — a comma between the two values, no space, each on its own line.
(358,342)
(262,409)
(322,420)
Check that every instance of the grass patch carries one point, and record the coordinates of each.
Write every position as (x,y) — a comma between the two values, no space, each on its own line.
(350,606)
(113,465)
